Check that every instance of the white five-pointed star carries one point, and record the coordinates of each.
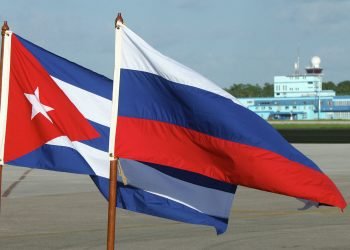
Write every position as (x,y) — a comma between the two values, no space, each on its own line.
(37,106)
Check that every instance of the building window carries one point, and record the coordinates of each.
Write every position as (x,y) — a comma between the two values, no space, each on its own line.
(277,93)
(341,103)
(286,107)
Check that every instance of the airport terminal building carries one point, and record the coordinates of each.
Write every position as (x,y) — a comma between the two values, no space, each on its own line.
(300,97)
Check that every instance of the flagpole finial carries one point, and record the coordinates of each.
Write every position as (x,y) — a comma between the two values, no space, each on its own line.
(4,28)
(119,20)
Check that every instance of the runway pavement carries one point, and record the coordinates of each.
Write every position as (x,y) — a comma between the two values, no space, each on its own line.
(50,210)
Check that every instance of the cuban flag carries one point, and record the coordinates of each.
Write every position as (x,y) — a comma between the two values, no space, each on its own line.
(53,112)
(56,115)
(171,116)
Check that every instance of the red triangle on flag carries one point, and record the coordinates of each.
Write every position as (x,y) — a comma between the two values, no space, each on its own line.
(38,110)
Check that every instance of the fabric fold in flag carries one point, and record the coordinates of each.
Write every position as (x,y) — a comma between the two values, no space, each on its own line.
(172,116)
(172,194)
(58,118)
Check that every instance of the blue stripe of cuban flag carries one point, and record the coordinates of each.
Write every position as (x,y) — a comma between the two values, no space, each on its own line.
(151,189)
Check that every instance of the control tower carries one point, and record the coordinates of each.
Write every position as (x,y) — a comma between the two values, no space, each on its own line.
(302,85)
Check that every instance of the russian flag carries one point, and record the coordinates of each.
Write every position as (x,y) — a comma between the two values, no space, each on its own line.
(171,116)
(56,115)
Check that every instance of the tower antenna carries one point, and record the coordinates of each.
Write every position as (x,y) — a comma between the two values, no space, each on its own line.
(297,65)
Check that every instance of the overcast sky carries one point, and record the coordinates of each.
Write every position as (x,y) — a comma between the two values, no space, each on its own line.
(228,41)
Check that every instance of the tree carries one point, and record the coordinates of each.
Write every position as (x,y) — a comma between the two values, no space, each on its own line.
(329,86)
(245,90)
(343,88)
(250,90)
(267,90)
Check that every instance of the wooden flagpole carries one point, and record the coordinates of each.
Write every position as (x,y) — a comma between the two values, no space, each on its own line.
(4,28)
(114,159)
(112,204)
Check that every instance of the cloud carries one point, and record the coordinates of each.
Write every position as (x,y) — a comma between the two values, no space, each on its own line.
(318,15)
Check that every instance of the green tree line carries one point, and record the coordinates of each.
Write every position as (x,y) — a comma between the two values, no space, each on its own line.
(266,90)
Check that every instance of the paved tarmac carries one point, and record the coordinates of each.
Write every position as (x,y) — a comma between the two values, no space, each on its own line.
(50,210)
